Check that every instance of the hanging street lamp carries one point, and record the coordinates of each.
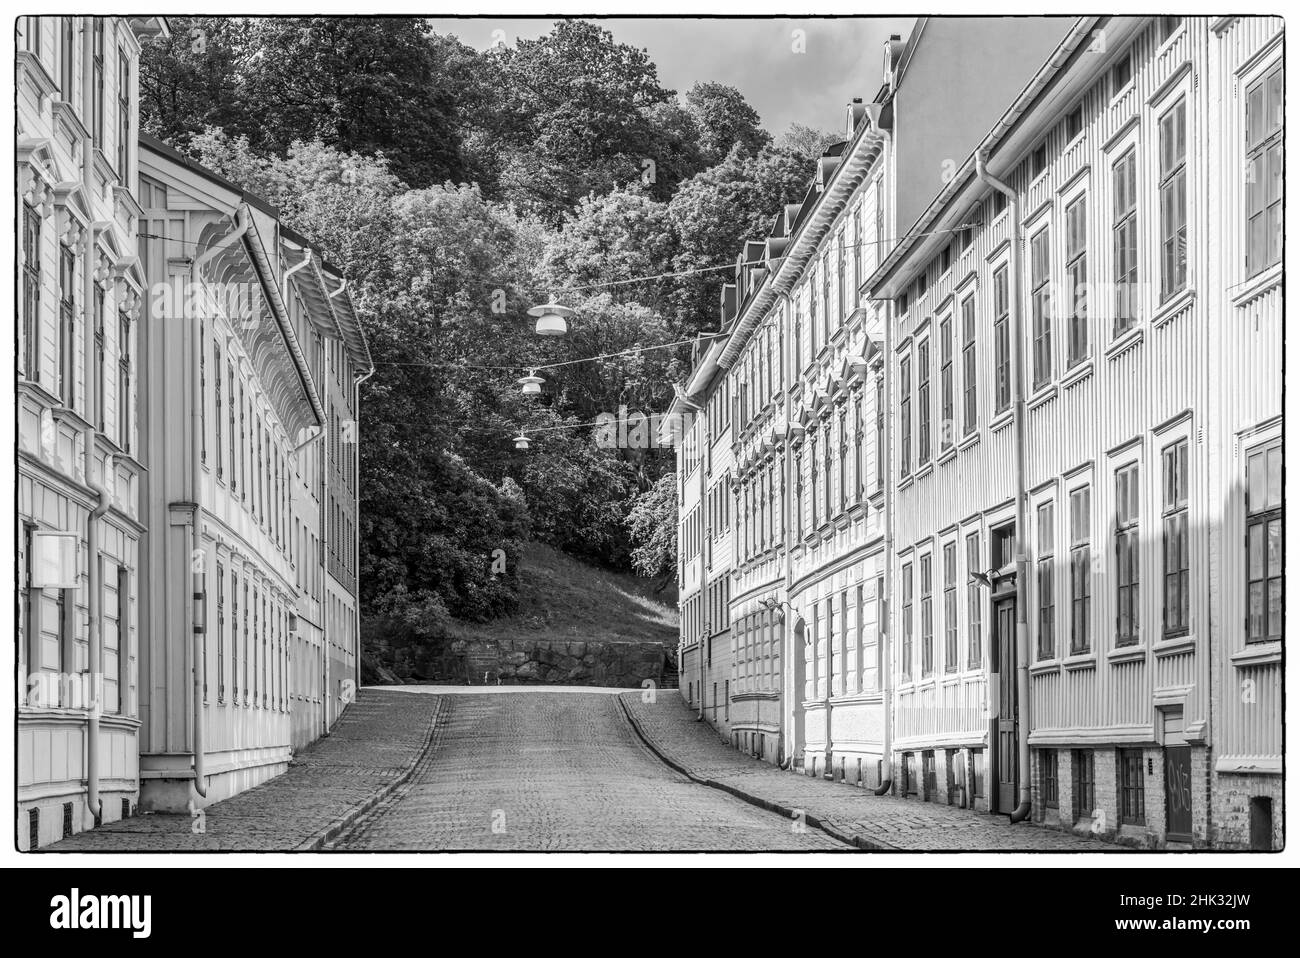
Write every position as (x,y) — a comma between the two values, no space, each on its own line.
(521,441)
(532,383)
(551,319)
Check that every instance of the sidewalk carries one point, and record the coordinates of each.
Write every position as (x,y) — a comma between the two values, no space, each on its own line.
(851,814)
(372,749)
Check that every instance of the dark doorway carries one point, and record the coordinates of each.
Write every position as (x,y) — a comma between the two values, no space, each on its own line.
(1004,669)
(1178,792)
(1261,824)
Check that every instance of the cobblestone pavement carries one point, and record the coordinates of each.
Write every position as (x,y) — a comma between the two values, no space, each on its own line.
(378,740)
(845,811)
(531,770)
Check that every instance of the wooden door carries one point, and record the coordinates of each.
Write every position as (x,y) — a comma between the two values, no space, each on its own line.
(1004,648)
(1178,792)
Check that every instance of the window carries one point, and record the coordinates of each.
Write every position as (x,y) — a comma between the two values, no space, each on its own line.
(968,382)
(1076,274)
(243,450)
(1169,26)
(1176,599)
(900,304)
(906,658)
(1041,303)
(1038,161)
(1121,74)
(1173,199)
(812,476)
(827,462)
(1001,339)
(1046,583)
(1124,229)
(124,404)
(947,428)
(923,402)
(812,311)
(945,259)
(963,239)
(31,293)
(843,477)
(905,417)
(859,447)
(950,607)
(797,350)
(1080,570)
(217,366)
(1132,806)
(1264,544)
(123,116)
(1051,780)
(234,637)
(1074,123)
(1264,172)
(100,372)
(927,619)
(1084,777)
(857,257)
(999,202)
(203,393)
(221,633)
(880,428)
(826,297)
(1126,556)
(974,649)
(798,493)
(67,62)
(97,67)
(234,471)
(841,299)
(67,324)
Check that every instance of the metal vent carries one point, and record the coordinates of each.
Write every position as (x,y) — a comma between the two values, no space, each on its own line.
(33,828)
(67,819)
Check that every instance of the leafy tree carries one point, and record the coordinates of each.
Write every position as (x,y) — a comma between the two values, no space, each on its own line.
(724,119)
(652,525)
(806,141)
(717,211)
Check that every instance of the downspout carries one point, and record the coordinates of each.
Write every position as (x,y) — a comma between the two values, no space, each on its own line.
(198,594)
(1022,537)
(94,638)
(356,540)
(885,615)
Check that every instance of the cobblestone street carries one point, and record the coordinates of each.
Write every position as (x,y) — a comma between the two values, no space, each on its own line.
(550,770)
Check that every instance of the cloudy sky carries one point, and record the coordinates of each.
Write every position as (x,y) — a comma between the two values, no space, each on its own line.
(841,57)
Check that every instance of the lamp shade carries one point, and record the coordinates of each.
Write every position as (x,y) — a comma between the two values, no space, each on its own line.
(521,441)
(552,319)
(532,383)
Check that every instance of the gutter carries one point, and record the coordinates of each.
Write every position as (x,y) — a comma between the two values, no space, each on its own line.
(198,595)
(1022,533)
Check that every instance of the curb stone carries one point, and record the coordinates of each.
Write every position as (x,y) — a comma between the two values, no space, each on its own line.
(325,837)
(856,841)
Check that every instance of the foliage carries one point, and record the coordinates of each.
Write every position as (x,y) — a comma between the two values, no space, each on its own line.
(652,524)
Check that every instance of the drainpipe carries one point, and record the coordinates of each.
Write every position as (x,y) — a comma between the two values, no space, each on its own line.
(94,638)
(284,282)
(198,593)
(885,614)
(1022,536)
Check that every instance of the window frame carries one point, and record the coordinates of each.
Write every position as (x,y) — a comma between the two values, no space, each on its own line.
(1261,149)
(1080,499)
(1126,241)
(1127,529)
(1001,293)
(1256,515)
(1076,274)
(970,361)
(1040,298)
(1174,510)
(1173,178)
(1045,579)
